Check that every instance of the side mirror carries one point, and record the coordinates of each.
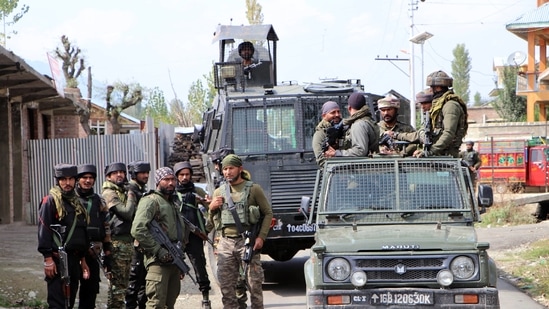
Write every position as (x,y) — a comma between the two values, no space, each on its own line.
(304,208)
(485,196)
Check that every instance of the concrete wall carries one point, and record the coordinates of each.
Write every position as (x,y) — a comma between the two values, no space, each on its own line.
(507,130)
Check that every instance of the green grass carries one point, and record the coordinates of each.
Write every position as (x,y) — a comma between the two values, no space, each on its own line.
(506,214)
(531,266)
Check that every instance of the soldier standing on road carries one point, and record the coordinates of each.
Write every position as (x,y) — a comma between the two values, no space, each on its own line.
(121,210)
(448,117)
(139,176)
(362,137)
(472,158)
(243,194)
(163,277)
(331,115)
(194,210)
(62,207)
(99,235)
(388,108)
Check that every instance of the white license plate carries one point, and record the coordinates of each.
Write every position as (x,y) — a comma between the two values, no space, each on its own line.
(396,298)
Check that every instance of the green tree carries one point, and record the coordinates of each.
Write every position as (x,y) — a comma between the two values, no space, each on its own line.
(508,105)
(119,97)
(461,66)
(478,99)
(157,109)
(6,8)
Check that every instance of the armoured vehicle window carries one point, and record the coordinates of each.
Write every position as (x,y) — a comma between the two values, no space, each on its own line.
(258,130)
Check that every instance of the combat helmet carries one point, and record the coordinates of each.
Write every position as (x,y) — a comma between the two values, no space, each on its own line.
(135,167)
(86,169)
(64,170)
(439,78)
(113,167)
(388,101)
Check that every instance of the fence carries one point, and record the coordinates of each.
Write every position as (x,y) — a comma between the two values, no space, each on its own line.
(97,149)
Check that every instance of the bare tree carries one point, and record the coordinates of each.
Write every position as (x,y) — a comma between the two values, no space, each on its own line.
(128,98)
(72,66)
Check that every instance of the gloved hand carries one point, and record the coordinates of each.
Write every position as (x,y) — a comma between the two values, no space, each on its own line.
(164,256)
(107,263)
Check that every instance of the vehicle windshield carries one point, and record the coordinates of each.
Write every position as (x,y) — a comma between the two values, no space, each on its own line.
(399,191)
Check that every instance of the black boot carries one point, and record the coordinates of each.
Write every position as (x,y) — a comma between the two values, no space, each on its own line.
(206,304)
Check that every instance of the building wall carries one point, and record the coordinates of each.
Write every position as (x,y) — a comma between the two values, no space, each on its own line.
(4,162)
(480,115)
(66,126)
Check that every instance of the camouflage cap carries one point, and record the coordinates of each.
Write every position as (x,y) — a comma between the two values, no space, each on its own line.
(424,97)
(389,101)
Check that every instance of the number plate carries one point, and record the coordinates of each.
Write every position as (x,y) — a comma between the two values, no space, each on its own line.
(395,298)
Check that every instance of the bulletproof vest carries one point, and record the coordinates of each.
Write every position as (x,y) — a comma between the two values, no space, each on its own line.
(241,206)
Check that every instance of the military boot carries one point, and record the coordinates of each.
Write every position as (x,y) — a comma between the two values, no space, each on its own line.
(206,304)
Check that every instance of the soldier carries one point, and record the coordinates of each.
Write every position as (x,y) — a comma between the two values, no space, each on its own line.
(121,210)
(163,277)
(388,108)
(447,119)
(99,235)
(331,115)
(472,158)
(62,207)
(139,176)
(246,197)
(194,210)
(362,137)
(246,51)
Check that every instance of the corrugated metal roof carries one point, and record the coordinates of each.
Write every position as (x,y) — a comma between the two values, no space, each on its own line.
(536,19)
(251,33)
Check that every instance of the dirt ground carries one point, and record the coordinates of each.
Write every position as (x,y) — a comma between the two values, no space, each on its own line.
(21,270)
(22,273)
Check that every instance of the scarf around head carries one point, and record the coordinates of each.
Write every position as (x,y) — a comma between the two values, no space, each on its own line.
(71,198)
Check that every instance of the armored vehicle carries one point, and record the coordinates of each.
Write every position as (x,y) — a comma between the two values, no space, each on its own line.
(270,126)
(399,233)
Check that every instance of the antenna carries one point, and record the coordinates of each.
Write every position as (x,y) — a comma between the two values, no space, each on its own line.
(517,58)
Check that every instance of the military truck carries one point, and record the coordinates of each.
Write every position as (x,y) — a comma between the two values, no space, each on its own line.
(270,125)
(399,233)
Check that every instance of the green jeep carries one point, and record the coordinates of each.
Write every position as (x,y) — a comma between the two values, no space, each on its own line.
(399,233)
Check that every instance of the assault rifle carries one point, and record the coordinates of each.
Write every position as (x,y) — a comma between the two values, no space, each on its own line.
(175,251)
(428,139)
(97,257)
(59,229)
(333,134)
(249,241)
(196,230)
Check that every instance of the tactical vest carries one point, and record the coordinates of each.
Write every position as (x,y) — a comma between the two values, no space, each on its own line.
(242,207)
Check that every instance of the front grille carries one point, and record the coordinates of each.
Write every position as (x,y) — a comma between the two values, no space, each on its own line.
(417,268)
(288,186)
(384,263)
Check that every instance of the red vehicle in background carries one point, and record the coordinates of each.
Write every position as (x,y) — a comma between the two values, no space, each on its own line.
(515,165)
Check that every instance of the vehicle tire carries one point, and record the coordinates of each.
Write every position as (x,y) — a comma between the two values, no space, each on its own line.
(542,210)
(282,255)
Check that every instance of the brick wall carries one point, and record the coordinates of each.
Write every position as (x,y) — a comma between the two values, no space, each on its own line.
(66,126)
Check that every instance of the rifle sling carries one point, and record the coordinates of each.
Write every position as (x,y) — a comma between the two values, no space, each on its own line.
(232,209)
(58,241)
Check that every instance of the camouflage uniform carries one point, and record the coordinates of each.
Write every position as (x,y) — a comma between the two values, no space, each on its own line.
(449,126)
(122,211)
(400,127)
(231,247)
(163,279)
(319,138)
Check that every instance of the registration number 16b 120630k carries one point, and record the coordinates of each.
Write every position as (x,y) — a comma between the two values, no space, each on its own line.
(396,298)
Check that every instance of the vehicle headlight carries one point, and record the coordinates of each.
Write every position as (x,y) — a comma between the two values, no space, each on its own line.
(338,269)
(359,278)
(463,267)
(445,277)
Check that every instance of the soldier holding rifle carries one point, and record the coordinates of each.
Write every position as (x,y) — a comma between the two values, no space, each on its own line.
(62,238)
(163,274)
(193,201)
(236,206)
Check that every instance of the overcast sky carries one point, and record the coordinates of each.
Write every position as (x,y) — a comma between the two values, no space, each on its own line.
(150,42)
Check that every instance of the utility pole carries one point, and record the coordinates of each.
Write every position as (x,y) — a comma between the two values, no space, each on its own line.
(413,7)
